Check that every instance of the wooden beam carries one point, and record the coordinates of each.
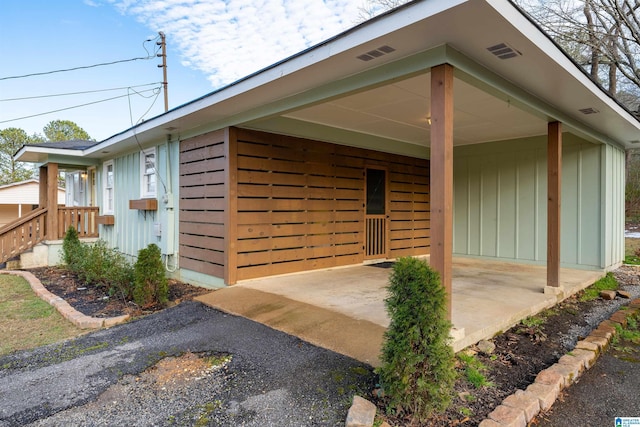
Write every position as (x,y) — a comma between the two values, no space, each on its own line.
(442,175)
(52,201)
(554,186)
(231,207)
(42,190)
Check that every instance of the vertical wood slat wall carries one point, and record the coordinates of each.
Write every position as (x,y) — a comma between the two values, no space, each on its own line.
(299,204)
(202,204)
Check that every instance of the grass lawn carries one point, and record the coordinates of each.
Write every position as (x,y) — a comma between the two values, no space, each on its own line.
(26,321)
(630,247)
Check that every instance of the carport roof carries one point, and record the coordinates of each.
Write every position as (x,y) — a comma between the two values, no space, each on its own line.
(369,86)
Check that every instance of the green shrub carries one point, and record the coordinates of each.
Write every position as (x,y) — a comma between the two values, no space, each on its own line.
(150,283)
(104,266)
(98,265)
(418,364)
(72,249)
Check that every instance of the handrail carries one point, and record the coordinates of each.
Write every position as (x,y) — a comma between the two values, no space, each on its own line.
(83,218)
(22,234)
(18,222)
(27,231)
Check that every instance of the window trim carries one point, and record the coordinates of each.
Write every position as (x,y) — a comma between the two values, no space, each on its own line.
(144,194)
(105,194)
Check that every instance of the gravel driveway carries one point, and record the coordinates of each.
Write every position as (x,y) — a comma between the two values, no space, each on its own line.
(99,379)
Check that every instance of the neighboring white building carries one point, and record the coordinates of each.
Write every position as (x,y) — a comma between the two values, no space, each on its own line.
(20,198)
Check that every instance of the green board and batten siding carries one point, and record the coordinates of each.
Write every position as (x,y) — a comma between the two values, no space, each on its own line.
(499,204)
(135,229)
(613,205)
(500,192)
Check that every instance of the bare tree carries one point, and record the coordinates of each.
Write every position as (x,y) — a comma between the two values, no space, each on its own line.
(371,8)
(603,36)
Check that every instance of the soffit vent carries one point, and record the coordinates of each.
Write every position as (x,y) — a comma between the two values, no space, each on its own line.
(635,141)
(589,110)
(376,53)
(504,51)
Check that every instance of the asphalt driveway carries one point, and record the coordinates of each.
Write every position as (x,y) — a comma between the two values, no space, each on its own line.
(271,379)
(608,391)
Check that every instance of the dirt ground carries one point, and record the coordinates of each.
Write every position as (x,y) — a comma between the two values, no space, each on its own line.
(520,354)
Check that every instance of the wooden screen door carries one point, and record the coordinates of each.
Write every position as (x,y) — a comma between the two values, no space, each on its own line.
(376,217)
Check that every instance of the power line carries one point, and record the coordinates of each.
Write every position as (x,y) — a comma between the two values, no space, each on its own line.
(77,93)
(155,89)
(77,68)
(84,67)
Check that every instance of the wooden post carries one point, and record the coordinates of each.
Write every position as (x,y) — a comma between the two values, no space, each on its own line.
(52,201)
(554,186)
(441,181)
(231,208)
(42,190)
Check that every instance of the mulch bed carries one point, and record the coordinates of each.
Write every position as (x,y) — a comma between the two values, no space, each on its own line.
(95,301)
(519,355)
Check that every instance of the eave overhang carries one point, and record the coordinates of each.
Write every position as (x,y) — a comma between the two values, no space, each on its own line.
(542,81)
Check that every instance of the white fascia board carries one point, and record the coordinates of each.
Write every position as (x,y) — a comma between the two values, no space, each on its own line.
(49,151)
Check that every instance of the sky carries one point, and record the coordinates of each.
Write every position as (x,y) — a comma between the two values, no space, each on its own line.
(210,43)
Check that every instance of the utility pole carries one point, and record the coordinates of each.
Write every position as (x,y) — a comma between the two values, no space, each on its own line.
(163,55)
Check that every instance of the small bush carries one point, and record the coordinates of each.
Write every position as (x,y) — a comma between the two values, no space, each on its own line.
(418,364)
(98,265)
(72,249)
(150,283)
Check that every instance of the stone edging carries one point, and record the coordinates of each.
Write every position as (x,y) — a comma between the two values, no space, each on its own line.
(74,316)
(522,406)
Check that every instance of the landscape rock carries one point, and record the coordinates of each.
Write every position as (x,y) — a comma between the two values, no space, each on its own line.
(624,294)
(508,416)
(619,317)
(529,403)
(361,414)
(486,347)
(608,295)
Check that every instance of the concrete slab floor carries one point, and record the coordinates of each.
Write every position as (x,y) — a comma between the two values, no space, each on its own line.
(488,297)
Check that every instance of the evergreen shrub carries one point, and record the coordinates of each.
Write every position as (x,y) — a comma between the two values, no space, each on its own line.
(418,364)
(72,249)
(150,283)
(98,265)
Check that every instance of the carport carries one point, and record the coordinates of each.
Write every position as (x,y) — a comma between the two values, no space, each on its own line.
(342,309)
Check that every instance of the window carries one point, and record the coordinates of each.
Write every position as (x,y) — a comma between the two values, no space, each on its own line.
(376,192)
(108,187)
(148,169)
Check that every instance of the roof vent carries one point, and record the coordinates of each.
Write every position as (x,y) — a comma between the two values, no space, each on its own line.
(504,51)
(376,53)
(589,110)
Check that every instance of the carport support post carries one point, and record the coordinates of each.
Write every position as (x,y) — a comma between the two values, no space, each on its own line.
(554,186)
(441,181)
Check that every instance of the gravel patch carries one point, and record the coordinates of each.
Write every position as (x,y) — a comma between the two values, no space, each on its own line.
(627,277)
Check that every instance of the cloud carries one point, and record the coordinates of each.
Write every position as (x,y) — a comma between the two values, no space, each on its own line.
(230,39)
